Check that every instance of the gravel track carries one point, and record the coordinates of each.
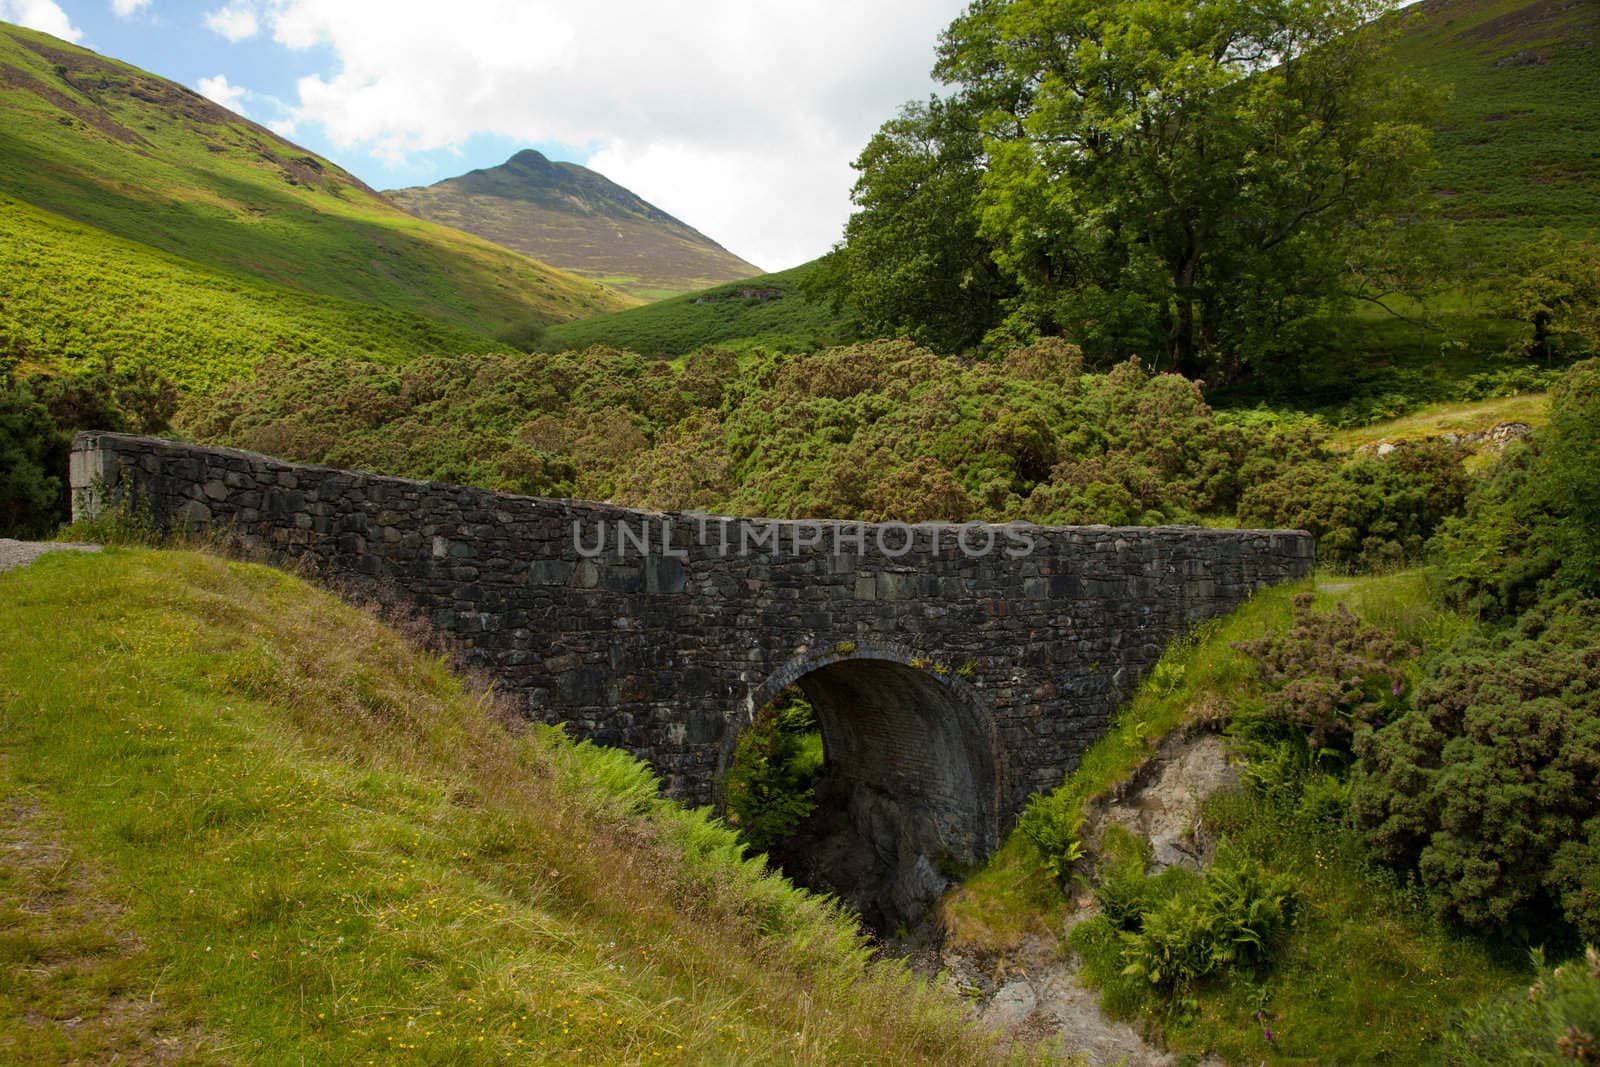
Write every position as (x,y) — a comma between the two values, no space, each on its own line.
(22,553)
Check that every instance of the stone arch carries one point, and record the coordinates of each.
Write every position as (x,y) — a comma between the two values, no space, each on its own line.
(914,783)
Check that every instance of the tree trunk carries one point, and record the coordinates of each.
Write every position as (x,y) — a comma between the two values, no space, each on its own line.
(1541,335)
(1183,340)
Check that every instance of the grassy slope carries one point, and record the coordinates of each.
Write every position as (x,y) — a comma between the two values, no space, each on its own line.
(259,827)
(580,221)
(1518,147)
(1366,974)
(75,295)
(147,160)
(721,316)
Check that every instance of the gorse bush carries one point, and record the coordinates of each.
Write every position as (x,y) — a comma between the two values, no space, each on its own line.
(872,431)
(1373,510)
(1330,675)
(1487,787)
(1533,527)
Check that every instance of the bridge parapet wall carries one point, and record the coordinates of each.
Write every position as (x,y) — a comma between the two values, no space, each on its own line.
(665,640)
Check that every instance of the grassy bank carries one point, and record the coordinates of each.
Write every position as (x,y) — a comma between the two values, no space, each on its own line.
(261,827)
(1365,973)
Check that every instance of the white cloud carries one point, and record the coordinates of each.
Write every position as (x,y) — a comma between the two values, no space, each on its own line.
(45,15)
(236,22)
(128,8)
(218,90)
(739,118)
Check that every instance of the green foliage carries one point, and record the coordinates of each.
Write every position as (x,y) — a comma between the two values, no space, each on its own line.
(1370,511)
(1534,526)
(1154,177)
(1330,675)
(1486,786)
(912,263)
(525,336)
(31,489)
(874,431)
(1554,286)
(774,311)
(38,416)
(1228,920)
(770,787)
(72,296)
(1554,1023)
(1053,823)
(1363,944)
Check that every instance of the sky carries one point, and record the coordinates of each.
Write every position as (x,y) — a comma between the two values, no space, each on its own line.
(740,117)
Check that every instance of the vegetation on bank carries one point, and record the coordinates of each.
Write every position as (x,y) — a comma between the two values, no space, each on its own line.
(770,787)
(277,831)
(1416,813)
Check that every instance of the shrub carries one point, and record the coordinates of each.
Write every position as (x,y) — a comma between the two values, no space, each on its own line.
(1370,511)
(1488,786)
(38,416)
(1556,1022)
(1534,527)
(1053,822)
(1330,674)
(1229,920)
(770,787)
(31,445)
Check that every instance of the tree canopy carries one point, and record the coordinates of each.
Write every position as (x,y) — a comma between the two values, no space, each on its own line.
(1183,181)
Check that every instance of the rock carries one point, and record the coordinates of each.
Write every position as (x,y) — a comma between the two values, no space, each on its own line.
(1162,803)
(1386,448)
(1507,432)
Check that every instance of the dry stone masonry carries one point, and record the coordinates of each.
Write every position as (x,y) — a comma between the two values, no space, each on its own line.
(953,672)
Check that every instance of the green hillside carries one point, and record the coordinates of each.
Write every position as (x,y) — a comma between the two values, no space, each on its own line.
(245,823)
(769,310)
(1518,146)
(75,297)
(580,221)
(147,160)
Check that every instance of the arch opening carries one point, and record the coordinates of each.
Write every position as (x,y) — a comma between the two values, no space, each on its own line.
(907,797)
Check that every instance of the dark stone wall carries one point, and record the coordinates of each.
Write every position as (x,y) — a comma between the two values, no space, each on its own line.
(669,652)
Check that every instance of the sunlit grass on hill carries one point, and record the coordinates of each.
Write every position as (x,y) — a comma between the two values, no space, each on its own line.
(72,296)
(147,160)
(301,840)
(768,311)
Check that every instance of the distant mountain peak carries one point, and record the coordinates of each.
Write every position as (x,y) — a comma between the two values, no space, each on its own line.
(572,217)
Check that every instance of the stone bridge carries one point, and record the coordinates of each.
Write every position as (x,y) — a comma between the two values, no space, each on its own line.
(954,669)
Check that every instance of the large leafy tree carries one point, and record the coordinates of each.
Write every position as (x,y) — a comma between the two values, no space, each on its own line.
(1185,181)
(913,263)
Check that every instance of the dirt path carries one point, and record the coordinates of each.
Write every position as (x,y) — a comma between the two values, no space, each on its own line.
(22,553)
